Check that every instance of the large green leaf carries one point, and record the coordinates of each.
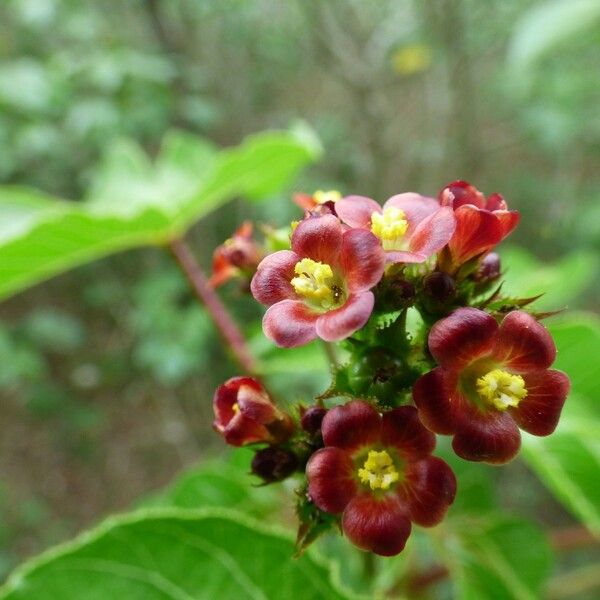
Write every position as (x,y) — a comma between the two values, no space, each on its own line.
(568,461)
(136,203)
(499,559)
(171,554)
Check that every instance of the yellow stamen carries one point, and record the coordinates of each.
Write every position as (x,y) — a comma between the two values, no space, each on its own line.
(501,389)
(235,408)
(316,283)
(321,196)
(389,226)
(378,472)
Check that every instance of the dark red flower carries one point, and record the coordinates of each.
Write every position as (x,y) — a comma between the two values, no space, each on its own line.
(480,223)
(244,414)
(378,473)
(411,227)
(319,288)
(239,255)
(492,380)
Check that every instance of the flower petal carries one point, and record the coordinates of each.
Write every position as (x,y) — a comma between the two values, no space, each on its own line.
(402,256)
(319,238)
(433,232)
(496,202)
(491,436)
(256,405)
(415,207)
(331,482)
(226,395)
(356,211)
(523,344)
(462,337)
(377,524)
(351,426)
(428,490)
(509,219)
(290,323)
(362,260)
(476,232)
(342,322)
(271,282)
(437,400)
(402,429)
(459,193)
(538,413)
(241,430)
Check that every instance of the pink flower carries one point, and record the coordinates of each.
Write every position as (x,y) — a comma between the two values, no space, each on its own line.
(492,380)
(480,223)
(411,227)
(319,288)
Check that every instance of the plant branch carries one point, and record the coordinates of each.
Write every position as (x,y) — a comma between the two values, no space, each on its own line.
(217,310)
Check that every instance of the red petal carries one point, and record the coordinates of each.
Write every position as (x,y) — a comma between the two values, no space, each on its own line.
(305,201)
(377,524)
(415,207)
(523,344)
(538,413)
(271,282)
(290,323)
(428,490)
(241,430)
(491,436)
(319,238)
(356,211)
(256,405)
(495,201)
(362,260)
(433,232)
(466,335)
(226,395)
(401,256)
(476,232)
(403,430)
(351,426)
(437,400)
(459,193)
(342,322)
(509,219)
(331,483)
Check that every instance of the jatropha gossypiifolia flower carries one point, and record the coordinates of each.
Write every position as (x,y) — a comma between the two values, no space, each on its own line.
(492,380)
(351,271)
(378,473)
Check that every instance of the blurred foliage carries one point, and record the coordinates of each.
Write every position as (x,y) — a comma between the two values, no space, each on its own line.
(107,372)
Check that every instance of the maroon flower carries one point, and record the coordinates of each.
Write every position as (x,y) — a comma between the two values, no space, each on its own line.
(492,380)
(244,414)
(411,227)
(321,286)
(378,473)
(480,223)
(239,255)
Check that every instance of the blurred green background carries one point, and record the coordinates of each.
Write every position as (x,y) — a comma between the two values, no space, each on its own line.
(107,372)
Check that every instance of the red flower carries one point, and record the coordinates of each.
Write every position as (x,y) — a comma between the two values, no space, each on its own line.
(321,286)
(378,473)
(411,227)
(244,414)
(480,223)
(319,198)
(492,380)
(238,255)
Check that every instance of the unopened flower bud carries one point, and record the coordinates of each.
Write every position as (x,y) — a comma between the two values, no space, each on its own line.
(312,418)
(489,268)
(439,286)
(274,464)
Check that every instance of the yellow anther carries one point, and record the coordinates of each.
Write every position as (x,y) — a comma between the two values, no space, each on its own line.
(501,389)
(379,471)
(235,408)
(316,283)
(389,226)
(321,196)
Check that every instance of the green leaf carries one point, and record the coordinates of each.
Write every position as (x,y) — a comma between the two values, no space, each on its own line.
(135,203)
(171,554)
(568,461)
(499,559)
(547,25)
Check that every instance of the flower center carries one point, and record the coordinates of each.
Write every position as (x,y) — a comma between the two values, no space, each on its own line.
(315,281)
(321,196)
(235,408)
(379,471)
(501,389)
(389,226)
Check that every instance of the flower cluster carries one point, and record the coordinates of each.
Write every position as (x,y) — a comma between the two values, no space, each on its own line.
(476,366)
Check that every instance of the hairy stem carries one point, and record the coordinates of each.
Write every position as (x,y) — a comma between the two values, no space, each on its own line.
(217,310)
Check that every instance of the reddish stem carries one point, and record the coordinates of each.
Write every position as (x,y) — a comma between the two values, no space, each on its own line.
(217,310)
